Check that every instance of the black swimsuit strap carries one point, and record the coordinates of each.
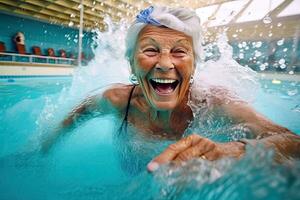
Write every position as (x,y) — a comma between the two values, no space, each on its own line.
(124,122)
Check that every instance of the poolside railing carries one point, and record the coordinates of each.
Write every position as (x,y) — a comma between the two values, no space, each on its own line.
(35,59)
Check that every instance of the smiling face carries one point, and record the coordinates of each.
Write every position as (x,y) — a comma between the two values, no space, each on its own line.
(163,64)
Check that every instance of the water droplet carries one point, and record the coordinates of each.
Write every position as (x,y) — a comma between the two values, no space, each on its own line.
(280,42)
(257,53)
(262,67)
(234,35)
(241,56)
(283,66)
(279,24)
(45,31)
(291,72)
(258,44)
(281,61)
(72,15)
(285,50)
(71,23)
(267,20)
(270,34)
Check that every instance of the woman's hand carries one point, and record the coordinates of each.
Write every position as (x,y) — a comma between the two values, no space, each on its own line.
(195,146)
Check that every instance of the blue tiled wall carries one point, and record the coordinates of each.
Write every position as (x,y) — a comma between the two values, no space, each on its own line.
(42,34)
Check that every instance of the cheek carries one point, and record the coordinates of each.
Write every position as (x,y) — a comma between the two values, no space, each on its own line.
(143,64)
(186,68)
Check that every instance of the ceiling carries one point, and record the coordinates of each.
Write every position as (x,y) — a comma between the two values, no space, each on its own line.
(67,12)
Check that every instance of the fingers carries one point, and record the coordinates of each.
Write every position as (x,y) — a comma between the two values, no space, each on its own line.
(200,149)
(175,149)
(195,146)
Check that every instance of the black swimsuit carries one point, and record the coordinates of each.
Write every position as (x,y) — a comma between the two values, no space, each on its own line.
(123,126)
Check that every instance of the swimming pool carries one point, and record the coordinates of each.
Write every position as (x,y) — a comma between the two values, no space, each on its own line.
(89,163)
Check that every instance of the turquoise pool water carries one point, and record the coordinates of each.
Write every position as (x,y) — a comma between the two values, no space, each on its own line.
(91,163)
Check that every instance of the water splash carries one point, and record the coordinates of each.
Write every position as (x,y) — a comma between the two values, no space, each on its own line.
(224,73)
(109,65)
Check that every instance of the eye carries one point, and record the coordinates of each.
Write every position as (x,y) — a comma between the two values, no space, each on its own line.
(179,52)
(151,51)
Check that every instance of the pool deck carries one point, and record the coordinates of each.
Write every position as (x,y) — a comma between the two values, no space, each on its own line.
(37,70)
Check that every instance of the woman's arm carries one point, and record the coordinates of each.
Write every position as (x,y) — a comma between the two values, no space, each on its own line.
(91,107)
(112,100)
(285,143)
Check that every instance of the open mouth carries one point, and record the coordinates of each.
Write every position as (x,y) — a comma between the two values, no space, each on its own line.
(164,86)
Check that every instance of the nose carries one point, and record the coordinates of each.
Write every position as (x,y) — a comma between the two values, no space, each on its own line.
(164,63)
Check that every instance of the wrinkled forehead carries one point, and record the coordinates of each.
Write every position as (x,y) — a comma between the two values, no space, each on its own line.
(162,33)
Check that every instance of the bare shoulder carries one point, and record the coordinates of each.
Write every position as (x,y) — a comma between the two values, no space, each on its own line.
(118,95)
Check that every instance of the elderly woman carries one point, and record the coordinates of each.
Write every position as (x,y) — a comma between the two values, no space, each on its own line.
(163,49)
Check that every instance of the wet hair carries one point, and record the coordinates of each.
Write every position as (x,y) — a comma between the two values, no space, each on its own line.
(179,19)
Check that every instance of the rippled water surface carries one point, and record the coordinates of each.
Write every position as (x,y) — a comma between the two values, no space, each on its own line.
(90,163)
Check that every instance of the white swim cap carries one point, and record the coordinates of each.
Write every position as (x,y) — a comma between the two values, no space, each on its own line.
(179,19)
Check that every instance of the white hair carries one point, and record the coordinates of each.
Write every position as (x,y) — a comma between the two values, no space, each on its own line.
(179,19)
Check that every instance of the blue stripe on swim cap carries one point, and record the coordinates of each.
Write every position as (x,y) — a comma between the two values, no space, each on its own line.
(144,17)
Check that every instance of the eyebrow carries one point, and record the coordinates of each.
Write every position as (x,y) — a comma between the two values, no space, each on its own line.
(183,41)
(148,38)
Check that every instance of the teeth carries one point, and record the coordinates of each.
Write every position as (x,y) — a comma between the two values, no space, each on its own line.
(160,80)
